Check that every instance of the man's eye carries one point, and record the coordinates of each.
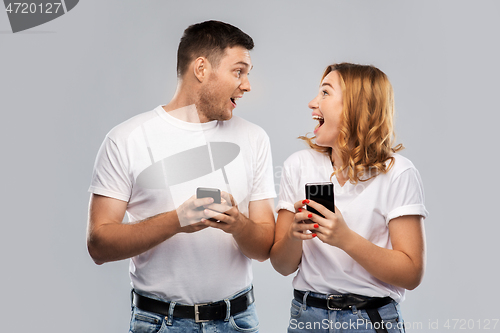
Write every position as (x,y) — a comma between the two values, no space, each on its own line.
(238,72)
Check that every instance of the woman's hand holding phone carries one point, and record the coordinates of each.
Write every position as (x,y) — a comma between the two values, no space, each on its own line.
(331,229)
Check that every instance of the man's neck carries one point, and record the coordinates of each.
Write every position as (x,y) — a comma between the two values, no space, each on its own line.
(183,105)
(187,113)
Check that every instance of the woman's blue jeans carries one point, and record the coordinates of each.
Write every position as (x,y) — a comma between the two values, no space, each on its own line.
(309,319)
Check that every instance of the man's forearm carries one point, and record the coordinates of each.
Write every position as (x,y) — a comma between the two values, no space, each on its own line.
(255,239)
(117,241)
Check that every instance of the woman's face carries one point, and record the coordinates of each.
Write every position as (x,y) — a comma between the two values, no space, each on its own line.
(327,109)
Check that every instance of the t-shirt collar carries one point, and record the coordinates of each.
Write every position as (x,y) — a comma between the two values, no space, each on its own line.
(184,124)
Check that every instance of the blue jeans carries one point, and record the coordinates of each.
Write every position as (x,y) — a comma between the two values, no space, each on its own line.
(149,322)
(309,319)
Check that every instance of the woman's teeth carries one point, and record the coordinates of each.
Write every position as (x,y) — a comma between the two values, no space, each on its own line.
(319,118)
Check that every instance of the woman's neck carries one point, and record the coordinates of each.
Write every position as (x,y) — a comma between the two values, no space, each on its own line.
(342,177)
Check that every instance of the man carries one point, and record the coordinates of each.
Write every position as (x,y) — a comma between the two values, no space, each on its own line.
(190,257)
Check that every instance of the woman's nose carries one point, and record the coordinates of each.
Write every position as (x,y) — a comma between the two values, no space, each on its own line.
(313,104)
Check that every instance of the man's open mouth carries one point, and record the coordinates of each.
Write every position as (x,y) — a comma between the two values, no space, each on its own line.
(234,99)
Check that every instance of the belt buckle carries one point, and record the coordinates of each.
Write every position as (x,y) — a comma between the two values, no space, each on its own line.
(331,297)
(197,313)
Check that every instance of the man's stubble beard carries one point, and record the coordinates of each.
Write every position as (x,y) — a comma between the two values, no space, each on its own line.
(208,102)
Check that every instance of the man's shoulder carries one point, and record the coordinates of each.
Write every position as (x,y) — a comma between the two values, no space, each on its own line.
(126,127)
(242,125)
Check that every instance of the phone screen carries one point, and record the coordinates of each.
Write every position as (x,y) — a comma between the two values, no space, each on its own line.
(321,193)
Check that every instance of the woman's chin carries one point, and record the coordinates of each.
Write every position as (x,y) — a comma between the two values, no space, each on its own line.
(321,143)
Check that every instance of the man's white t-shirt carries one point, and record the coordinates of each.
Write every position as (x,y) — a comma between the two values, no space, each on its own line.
(367,208)
(155,162)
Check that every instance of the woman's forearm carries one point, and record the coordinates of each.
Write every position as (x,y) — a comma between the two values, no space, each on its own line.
(286,255)
(390,266)
(402,266)
(286,252)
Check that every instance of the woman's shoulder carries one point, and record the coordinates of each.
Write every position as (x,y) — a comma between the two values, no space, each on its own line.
(401,164)
(305,156)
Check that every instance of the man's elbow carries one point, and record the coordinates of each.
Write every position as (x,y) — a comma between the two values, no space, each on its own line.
(412,286)
(94,254)
(94,250)
(263,257)
(260,255)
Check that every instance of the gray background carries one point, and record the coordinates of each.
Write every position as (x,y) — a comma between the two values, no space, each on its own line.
(65,84)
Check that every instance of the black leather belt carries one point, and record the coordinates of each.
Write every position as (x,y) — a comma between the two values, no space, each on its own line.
(347,301)
(343,301)
(199,312)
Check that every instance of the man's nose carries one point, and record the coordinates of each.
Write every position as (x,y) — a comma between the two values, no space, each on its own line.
(245,84)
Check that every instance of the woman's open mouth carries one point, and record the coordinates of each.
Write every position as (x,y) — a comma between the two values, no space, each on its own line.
(321,121)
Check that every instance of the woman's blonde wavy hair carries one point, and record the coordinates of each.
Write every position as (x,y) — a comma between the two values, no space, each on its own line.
(366,136)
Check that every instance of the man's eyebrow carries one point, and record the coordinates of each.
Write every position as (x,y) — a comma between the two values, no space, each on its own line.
(244,64)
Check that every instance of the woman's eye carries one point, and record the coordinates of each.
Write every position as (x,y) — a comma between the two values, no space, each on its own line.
(324,93)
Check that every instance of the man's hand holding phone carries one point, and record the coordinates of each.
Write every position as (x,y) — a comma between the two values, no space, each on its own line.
(192,210)
(225,215)
(190,215)
(207,192)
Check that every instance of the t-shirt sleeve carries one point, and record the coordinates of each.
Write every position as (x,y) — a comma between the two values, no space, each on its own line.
(287,190)
(110,176)
(406,196)
(263,185)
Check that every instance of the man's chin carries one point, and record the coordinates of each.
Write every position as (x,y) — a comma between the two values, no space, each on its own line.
(220,115)
(226,115)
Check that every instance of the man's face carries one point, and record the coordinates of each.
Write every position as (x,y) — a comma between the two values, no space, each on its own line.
(225,85)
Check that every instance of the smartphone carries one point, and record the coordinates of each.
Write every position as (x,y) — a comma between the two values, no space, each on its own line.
(208,192)
(321,193)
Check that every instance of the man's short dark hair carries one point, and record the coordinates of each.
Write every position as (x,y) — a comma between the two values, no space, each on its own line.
(209,39)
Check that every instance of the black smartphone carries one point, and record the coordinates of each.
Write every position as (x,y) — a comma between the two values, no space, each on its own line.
(208,192)
(321,193)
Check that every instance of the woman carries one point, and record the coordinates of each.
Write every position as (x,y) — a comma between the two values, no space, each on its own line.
(354,264)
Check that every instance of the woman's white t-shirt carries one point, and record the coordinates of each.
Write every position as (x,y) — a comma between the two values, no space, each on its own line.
(367,207)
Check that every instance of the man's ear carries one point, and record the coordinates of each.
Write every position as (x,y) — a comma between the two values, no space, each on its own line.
(201,68)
